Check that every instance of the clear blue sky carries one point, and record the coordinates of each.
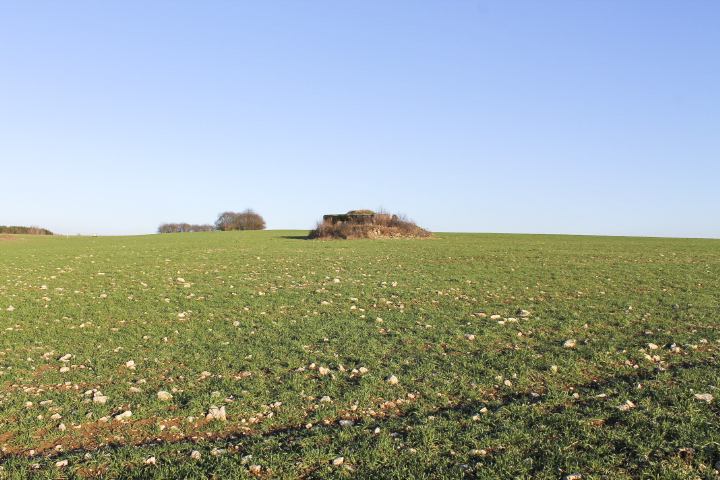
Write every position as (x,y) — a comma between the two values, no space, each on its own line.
(571,117)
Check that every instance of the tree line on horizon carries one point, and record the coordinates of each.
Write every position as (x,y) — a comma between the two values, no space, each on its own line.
(226,221)
(15,230)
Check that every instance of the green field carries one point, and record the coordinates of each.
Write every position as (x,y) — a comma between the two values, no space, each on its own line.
(296,339)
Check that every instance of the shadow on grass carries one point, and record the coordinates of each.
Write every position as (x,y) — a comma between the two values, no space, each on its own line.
(612,434)
(296,237)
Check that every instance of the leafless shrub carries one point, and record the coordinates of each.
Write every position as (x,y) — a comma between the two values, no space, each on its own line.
(247,220)
(184,227)
(226,221)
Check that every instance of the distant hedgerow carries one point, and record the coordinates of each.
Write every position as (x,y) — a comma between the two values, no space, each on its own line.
(228,221)
(184,227)
(25,230)
(247,220)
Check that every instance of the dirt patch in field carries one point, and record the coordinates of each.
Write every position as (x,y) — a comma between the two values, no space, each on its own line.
(6,238)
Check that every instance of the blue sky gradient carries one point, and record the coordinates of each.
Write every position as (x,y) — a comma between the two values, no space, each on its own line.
(559,117)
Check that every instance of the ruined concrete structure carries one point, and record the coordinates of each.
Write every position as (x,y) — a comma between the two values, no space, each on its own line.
(357,217)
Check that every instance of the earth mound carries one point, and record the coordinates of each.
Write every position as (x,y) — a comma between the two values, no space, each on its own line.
(367,224)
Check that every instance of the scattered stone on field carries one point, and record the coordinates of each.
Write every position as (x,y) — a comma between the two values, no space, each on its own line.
(469,336)
(626,406)
(216,452)
(523,313)
(64,369)
(495,317)
(507,383)
(163,395)
(323,370)
(379,320)
(686,452)
(103,419)
(216,413)
(675,349)
(180,279)
(377,430)
(195,455)
(65,358)
(477,452)
(341,368)
(100,398)
(346,423)
(62,427)
(570,343)
(151,461)
(46,402)
(103,295)
(325,398)
(135,390)
(130,364)
(652,346)
(61,463)
(88,456)
(706,397)
(554,368)
(392,379)
(10,308)
(56,416)
(476,417)
(255,468)
(362,370)
(338,460)
(123,415)
(573,476)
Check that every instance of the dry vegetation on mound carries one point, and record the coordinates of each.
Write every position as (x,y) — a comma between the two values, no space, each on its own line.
(367,224)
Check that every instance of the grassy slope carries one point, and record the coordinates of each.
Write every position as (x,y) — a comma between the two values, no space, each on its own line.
(267,303)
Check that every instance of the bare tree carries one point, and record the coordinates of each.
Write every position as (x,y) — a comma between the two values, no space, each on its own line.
(226,221)
(249,220)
